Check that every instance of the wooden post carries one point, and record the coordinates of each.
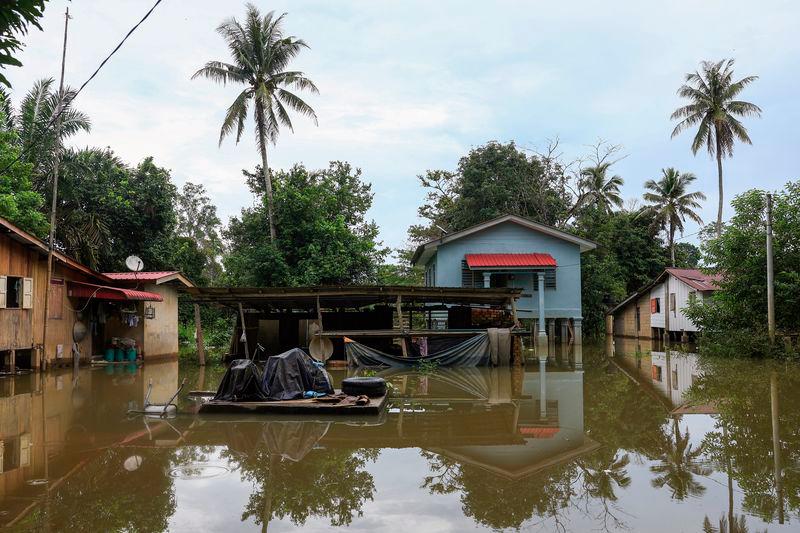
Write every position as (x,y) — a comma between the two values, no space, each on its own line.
(770,275)
(198,327)
(244,331)
(319,315)
(399,309)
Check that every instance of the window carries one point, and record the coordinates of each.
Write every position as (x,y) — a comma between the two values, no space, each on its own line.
(672,306)
(549,279)
(469,278)
(655,305)
(16,292)
(657,373)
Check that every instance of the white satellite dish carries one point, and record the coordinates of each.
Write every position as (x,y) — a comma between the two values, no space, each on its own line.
(134,263)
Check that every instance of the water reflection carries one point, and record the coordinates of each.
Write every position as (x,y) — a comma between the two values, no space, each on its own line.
(627,442)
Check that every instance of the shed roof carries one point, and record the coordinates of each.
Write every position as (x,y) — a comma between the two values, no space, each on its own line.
(101,292)
(425,250)
(159,277)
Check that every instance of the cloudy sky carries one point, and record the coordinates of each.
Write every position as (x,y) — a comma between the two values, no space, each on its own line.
(409,86)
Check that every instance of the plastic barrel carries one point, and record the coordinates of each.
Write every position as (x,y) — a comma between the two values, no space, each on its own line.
(109,356)
(131,354)
(119,355)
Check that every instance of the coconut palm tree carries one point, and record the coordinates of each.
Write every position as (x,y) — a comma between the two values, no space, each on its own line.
(35,125)
(678,464)
(713,108)
(598,189)
(261,53)
(670,204)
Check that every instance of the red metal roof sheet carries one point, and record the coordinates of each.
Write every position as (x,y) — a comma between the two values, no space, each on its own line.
(538,433)
(138,276)
(509,260)
(77,289)
(696,279)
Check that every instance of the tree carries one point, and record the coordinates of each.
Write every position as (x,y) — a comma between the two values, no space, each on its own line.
(198,222)
(325,240)
(261,53)
(678,464)
(492,180)
(598,190)
(15,18)
(716,112)
(734,319)
(36,126)
(670,204)
(19,203)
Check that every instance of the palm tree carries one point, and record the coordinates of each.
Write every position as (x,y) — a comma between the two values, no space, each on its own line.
(35,125)
(670,204)
(678,464)
(714,110)
(261,53)
(598,189)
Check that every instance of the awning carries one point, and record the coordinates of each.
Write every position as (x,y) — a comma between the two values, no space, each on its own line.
(510,261)
(78,289)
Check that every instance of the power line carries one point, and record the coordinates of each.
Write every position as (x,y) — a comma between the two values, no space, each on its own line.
(68,101)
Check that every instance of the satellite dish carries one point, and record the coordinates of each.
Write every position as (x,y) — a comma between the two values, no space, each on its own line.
(320,348)
(134,263)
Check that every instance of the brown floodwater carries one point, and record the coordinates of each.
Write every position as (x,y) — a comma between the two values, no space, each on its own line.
(634,439)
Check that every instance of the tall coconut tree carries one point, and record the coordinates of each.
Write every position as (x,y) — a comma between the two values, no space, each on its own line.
(670,204)
(261,53)
(715,111)
(599,189)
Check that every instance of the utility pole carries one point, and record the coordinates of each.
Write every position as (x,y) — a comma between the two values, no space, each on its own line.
(770,274)
(54,203)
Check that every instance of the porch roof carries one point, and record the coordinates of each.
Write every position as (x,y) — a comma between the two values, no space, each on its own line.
(531,260)
(77,289)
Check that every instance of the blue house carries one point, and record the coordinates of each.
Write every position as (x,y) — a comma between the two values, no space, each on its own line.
(512,251)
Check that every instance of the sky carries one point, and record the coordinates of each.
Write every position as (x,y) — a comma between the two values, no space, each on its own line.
(410,86)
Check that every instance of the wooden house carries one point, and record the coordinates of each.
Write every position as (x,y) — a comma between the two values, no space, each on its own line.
(80,300)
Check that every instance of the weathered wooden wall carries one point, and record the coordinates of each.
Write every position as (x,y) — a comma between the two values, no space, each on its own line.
(625,318)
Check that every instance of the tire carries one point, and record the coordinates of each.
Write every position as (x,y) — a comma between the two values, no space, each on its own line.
(369,386)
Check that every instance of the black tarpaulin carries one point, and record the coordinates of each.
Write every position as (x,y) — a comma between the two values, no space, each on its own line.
(241,383)
(472,352)
(288,375)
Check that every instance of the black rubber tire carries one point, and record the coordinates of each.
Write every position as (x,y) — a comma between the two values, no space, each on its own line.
(369,386)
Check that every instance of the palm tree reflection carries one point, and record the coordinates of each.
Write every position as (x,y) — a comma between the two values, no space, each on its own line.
(678,464)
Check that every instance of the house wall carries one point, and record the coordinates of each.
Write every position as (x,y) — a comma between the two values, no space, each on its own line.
(22,328)
(625,318)
(508,237)
(678,321)
(161,332)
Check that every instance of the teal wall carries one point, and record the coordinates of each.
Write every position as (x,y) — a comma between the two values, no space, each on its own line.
(562,302)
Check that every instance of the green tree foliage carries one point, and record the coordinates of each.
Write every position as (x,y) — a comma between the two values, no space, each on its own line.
(15,19)
(107,211)
(19,203)
(492,180)
(325,238)
(671,204)
(261,53)
(600,190)
(715,111)
(198,226)
(739,310)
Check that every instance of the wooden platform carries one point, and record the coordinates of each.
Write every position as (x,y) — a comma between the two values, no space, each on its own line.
(296,407)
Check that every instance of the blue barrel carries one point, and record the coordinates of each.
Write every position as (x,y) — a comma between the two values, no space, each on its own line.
(131,354)
(119,355)
(109,356)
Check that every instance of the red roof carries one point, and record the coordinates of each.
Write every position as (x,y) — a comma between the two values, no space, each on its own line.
(138,276)
(696,279)
(510,260)
(538,433)
(79,289)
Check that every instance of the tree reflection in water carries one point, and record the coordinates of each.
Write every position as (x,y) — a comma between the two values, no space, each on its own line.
(678,465)
(293,479)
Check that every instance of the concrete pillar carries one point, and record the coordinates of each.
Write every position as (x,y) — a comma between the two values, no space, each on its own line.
(578,342)
(542,340)
(551,338)
(542,388)
(610,326)
(565,331)
(487,279)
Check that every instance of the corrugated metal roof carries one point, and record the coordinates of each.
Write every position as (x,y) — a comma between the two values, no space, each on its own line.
(79,289)
(696,279)
(510,260)
(137,276)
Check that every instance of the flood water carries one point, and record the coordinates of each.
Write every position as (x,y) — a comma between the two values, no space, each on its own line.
(637,439)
